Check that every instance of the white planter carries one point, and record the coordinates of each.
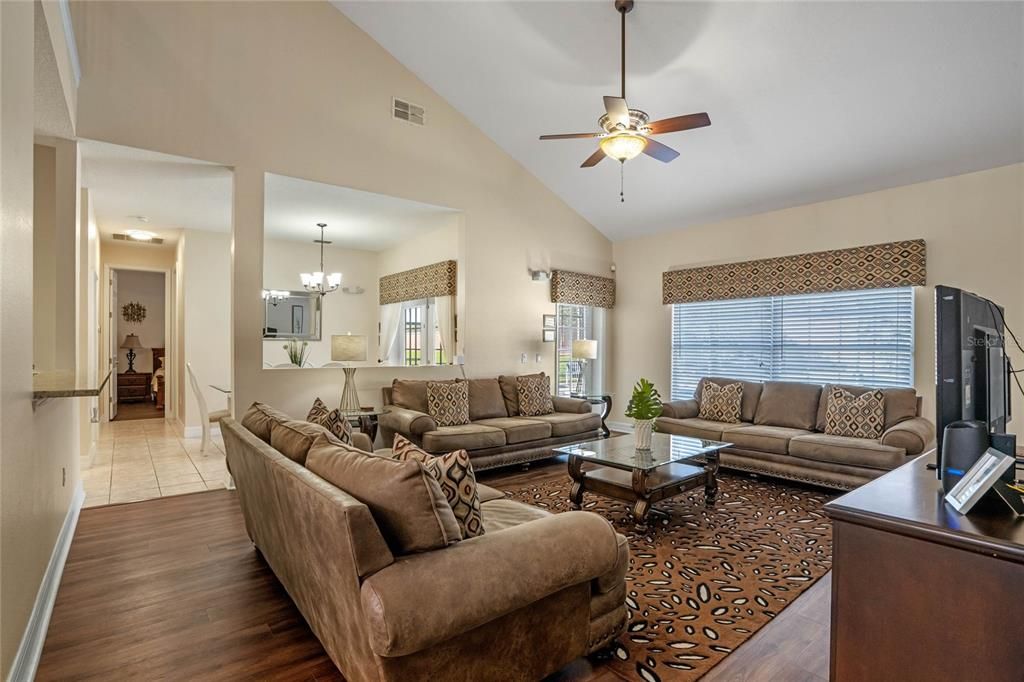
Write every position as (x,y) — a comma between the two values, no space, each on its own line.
(642,430)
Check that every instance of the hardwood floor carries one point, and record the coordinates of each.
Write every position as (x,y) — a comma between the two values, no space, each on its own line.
(172,589)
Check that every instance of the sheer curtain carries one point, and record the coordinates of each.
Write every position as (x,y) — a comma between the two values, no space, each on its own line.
(446,326)
(390,321)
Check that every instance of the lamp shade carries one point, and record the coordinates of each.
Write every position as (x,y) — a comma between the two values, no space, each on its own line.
(348,347)
(584,349)
(132,341)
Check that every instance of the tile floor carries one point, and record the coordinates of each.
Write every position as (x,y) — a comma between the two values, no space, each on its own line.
(147,458)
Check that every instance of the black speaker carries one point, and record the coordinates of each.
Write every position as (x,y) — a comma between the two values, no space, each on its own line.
(963,444)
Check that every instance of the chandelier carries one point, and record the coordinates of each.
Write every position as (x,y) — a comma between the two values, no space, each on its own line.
(317,282)
(274,296)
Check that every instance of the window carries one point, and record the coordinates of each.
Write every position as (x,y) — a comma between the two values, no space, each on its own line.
(572,322)
(419,336)
(856,337)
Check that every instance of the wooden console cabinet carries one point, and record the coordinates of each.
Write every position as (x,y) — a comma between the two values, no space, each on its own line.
(920,592)
(133,387)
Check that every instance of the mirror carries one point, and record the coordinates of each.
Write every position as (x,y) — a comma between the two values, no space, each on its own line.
(291,315)
(347,244)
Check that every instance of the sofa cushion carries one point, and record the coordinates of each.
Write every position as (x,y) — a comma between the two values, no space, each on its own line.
(410,394)
(405,500)
(751,394)
(534,395)
(694,427)
(721,403)
(570,423)
(844,450)
(330,420)
(458,482)
(519,429)
(785,403)
(505,513)
(293,438)
(487,493)
(465,436)
(861,416)
(764,438)
(259,419)
(510,393)
(900,404)
(485,400)
(448,402)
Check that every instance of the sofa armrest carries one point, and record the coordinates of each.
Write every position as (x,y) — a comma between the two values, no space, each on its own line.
(362,441)
(424,599)
(405,421)
(913,435)
(680,409)
(573,405)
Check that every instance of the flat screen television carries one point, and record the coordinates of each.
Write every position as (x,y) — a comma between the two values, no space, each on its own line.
(972,378)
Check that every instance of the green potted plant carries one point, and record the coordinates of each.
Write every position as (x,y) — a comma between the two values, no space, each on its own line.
(643,408)
(297,352)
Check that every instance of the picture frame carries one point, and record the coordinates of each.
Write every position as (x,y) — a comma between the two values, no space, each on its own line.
(548,335)
(978,479)
(297,318)
(549,323)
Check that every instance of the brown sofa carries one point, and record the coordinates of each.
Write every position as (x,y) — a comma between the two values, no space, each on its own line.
(781,433)
(497,435)
(534,592)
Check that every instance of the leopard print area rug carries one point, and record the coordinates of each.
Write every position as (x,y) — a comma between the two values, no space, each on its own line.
(702,580)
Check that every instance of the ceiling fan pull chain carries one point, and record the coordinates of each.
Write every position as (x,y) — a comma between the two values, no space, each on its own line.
(622,182)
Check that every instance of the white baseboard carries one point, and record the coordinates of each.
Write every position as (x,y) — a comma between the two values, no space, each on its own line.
(197,431)
(621,426)
(26,660)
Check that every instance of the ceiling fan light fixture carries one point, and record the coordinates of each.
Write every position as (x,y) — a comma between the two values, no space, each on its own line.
(623,146)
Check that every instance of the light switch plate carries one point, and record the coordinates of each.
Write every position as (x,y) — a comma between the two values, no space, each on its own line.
(522,358)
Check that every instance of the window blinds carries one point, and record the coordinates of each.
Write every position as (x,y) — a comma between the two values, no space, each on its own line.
(856,337)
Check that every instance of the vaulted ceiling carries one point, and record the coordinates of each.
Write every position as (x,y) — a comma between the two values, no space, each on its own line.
(808,101)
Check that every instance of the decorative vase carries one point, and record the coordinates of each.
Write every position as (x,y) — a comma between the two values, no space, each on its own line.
(642,430)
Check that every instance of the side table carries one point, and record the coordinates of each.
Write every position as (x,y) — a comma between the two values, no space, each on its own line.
(599,399)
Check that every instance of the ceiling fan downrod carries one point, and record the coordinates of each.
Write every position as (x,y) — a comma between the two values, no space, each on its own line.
(623,7)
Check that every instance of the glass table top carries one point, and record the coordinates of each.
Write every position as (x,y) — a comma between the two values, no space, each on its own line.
(621,452)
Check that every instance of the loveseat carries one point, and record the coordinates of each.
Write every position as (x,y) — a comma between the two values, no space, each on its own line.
(781,433)
(531,594)
(497,435)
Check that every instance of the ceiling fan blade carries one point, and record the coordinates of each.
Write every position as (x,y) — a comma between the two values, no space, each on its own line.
(660,151)
(617,110)
(570,136)
(672,125)
(593,159)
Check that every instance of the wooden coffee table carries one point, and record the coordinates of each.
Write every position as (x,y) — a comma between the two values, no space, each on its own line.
(614,468)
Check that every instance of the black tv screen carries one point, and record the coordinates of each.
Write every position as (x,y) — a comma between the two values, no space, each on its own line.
(972,372)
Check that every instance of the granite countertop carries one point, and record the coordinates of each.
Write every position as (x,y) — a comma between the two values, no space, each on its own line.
(64,384)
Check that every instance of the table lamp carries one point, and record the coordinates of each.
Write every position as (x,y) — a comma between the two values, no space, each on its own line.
(349,348)
(131,342)
(583,350)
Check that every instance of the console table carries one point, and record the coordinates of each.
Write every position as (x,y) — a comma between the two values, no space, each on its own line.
(920,592)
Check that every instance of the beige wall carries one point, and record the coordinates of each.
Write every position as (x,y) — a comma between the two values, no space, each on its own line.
(44,264)
(973,226)
(38,449)
(278,87)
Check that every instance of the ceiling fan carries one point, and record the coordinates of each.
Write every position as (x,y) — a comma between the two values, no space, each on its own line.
(627,132)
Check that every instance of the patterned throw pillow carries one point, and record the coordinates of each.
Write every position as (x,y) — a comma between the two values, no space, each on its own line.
(455,474)
(721,403)
(330,420)
(534,395)
(860,416)
(448,402)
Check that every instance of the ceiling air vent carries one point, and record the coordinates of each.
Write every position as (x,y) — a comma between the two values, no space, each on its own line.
(117,236)
(407,111)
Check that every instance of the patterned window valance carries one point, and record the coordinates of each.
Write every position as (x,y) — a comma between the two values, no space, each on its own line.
(581,289)
(879,266)
(437,279)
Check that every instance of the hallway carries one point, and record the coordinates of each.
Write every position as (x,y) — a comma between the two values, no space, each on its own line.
(147,458)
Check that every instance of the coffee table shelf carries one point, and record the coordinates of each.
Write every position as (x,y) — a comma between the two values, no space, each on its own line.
(615,468)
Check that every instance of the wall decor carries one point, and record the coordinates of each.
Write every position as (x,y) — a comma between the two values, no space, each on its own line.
(549,322)
(548,335)
(133,312)
(297,311)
